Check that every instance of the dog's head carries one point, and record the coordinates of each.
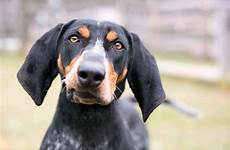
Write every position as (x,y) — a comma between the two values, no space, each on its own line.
(94,59)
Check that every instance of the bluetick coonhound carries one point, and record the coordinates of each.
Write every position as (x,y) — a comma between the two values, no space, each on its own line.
(93,59)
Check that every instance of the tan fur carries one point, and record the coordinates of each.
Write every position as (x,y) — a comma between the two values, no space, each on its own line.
(71,73)
(108,86)
(113,76)
(71,64)
(122,75)
(84,32)
(60,66)
(111,36)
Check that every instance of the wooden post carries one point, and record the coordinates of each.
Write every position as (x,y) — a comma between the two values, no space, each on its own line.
(221,42)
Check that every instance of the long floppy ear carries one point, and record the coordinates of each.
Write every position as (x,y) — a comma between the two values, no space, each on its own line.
(144,78)
(40,66)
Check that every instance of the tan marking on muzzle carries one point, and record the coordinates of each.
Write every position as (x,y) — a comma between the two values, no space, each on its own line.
(65,70)
(84,32)
(112,78)
(60,66)
(71,73)
(111,36)
(122,75)
(69,67)
(68,72)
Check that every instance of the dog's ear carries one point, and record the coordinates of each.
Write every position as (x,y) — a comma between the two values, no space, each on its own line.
(144,78)
(40,66)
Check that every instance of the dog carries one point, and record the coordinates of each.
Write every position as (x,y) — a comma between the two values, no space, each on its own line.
(93,59)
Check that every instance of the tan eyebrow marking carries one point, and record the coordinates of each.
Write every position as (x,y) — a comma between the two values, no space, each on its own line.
(84,31)
(111,36)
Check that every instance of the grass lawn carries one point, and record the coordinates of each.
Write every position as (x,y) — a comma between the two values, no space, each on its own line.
(22,124)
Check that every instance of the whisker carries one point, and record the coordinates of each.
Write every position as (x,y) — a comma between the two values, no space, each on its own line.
(115,97)
(119,89)
(63,84)
(63,88)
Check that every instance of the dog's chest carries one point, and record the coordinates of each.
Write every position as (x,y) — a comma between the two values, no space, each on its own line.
(60,139)
(66,139)
(88,128)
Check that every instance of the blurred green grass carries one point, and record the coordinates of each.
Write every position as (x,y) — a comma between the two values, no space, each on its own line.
(22,124)
(183,57)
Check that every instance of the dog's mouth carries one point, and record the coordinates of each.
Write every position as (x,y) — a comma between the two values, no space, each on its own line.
(76,96)
(87,97)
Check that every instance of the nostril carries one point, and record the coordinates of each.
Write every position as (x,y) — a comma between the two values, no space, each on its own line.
(98,77)
(83,74)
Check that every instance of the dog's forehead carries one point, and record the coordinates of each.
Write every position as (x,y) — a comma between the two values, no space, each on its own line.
(96,27)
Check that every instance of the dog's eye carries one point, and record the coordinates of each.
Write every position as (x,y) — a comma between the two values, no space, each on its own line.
(73,39)
(119,45)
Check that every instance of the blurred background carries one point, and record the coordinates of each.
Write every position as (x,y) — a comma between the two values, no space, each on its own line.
(191,43)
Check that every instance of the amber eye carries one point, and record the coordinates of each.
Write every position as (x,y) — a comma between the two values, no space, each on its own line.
(119,45)
(73,39)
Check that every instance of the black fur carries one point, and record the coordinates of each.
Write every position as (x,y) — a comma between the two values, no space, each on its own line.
(78,126)
(144,78)
(114,127)
(40,68)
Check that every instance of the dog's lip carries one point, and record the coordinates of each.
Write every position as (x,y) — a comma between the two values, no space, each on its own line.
(86,94)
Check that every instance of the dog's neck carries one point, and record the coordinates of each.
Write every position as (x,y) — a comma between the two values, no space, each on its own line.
(86,116)
(93,126)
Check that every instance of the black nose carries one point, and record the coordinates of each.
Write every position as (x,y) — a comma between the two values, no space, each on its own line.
(90,75)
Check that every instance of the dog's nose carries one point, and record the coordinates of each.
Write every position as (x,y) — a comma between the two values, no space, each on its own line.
(90,75)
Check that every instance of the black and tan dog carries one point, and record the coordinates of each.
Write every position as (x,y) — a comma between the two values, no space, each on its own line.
(93,59)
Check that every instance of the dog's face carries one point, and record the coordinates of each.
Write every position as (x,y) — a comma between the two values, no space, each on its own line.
(93,59)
